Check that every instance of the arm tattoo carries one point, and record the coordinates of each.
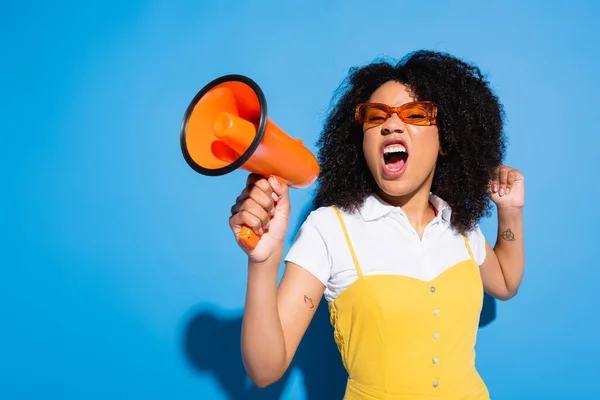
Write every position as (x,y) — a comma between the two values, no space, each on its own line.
(508,235)
(309,301)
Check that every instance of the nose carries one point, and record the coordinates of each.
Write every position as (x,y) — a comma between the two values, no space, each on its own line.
(392,125)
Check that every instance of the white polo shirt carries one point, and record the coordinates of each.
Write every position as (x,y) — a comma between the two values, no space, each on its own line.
(384,242)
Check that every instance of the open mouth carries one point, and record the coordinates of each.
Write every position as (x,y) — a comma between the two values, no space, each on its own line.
(395,156)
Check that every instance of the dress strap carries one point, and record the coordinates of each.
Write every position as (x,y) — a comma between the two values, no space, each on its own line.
(356,265)
(468,247)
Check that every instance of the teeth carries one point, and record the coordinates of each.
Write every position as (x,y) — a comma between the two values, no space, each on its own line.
(395,148)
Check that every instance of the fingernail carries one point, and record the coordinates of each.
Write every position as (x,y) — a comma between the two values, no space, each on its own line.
(260,231)
(507,190)
(275,181)
(272,211)
(501,191)
(274,196)
(495,187)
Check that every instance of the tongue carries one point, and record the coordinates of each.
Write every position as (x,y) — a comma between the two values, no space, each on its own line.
(395,161)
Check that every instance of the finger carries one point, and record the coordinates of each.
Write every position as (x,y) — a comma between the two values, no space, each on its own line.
(234,209)
(260,181)
(264,185)
(252,179)
(243,196)
(502,180)
(252,215)
(281,192)
(245,218)
(514,176)
(255,184)
(257,210)
(510,179)
(237,207)
(518,175)
(263,198)
(493,185)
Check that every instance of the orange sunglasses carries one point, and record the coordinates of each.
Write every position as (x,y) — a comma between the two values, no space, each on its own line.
(421,113)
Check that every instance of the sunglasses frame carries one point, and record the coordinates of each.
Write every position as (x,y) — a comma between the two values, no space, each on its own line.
(431,107)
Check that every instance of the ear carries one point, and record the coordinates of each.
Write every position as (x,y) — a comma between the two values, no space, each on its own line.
(443,152)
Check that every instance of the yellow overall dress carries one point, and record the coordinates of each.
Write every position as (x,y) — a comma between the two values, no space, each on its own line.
(403,338)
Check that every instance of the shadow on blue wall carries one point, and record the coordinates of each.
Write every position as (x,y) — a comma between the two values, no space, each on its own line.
(212,345)
(488,311)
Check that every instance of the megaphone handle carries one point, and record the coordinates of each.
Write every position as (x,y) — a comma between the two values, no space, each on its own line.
(247,235)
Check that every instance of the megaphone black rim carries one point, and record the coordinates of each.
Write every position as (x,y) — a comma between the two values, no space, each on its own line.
(262,101)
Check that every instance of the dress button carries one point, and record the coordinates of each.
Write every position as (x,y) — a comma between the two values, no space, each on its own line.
(435,360)
(436,335)
(432,289)
(435,384)
(436,312)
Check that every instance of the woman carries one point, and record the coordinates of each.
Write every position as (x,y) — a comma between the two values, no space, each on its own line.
(410,157)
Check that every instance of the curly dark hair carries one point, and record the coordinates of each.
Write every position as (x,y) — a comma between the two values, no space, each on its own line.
(470,123)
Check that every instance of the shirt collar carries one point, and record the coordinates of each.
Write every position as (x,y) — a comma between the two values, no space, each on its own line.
(375,207)
(441,206)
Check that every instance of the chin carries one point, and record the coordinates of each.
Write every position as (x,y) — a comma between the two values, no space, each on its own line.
(405,185)
(397,188)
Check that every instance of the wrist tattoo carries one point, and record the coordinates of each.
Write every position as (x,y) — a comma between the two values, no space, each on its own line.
(508,235)
(309,301)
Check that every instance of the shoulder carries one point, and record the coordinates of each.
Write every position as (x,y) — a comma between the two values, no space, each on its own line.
(321,217)
(474,236)
(315,228)
(328,219)
(474,233)
(316,242)
(326,228)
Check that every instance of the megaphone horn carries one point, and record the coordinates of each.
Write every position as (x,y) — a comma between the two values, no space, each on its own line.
(226,127)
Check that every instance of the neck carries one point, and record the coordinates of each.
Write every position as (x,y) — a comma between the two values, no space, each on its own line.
(416,206)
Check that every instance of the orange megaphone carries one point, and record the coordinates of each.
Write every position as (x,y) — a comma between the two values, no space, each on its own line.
(226,127)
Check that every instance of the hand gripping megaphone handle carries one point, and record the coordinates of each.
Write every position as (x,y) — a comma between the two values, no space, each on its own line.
(247,235)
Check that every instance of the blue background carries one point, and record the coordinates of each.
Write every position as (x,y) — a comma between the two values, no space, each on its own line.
(120,277)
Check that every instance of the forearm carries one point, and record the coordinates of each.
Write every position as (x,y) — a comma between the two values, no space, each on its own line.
(263,345)
(510,247)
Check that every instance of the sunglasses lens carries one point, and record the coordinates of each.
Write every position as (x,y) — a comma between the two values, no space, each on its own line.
(375,115)
(417,114)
